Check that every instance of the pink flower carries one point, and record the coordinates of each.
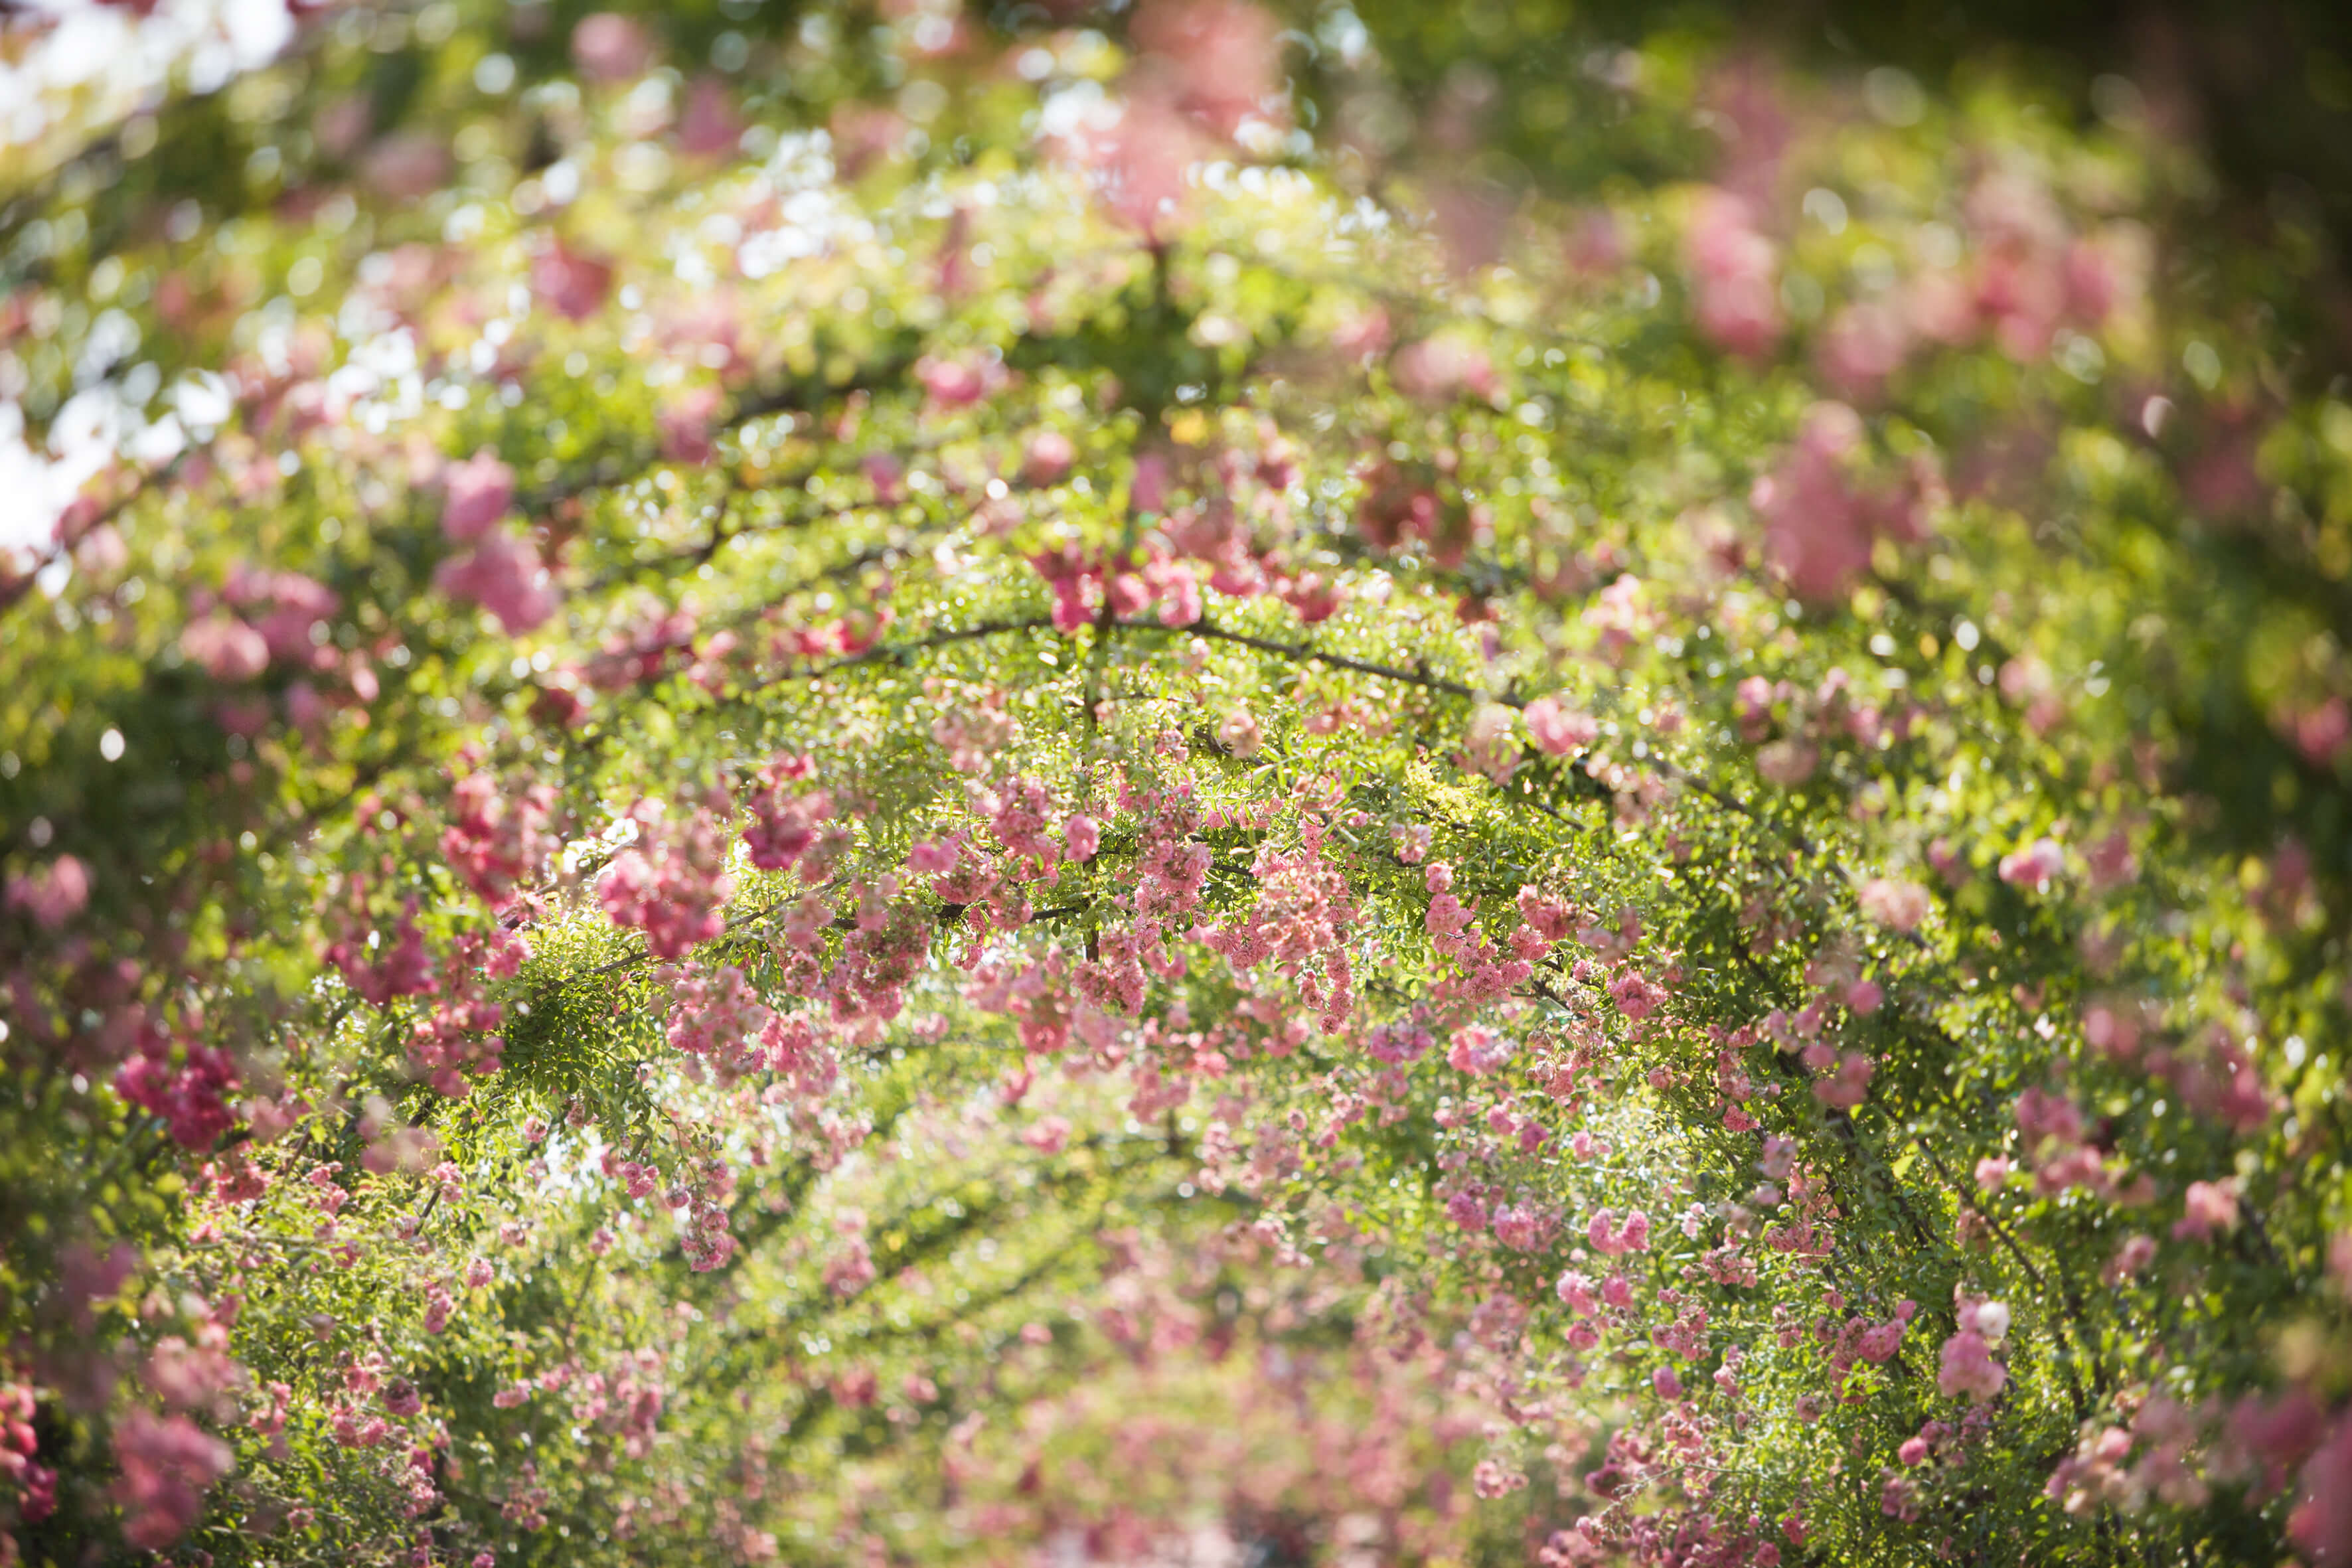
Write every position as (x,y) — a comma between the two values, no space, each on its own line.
(1492,1479)
(1879,1343)
(406,165)
(2322,1522)
(478,1274)
(1991,1175)
(1815,531)
(2135,1254)
(1238,734)
(1850,1085)
(710,128)
(609,47)
(504,575)
(190,1376)
(1865,343)
(1149,490)
(1559,731)
(1895,904)
(1222,59)
(785,826)
(1968,1368)
(1180,591)
(1082,835)
(1668,1386)
(1442,368)
(2320,732)
(1477,1051)
(1635,996)
(1788,762)
(1735,272)
(227,647)
(1823,513)
(686,424)
(2209,1207)
(2034,867)
(1609,1239)
(478,492)
(674,888)
(1048,460)
(1575,1291)
(886,474)
(168,1462)
(52,894)
(949,384)
(1517,1228)
(850,1269)
(1048,1134)
(573,286)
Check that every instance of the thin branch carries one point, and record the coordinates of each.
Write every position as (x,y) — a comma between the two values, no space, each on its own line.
(887,652)
(1214,633)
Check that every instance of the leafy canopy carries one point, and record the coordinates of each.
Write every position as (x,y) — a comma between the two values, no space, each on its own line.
(910,785)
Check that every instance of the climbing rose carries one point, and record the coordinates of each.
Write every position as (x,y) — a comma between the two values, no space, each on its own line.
(228,649)
(479,491)
(609,47)
(1898,904)
(168,1462)
(1968,1368)
(2207,1207)
(1559,731)
(52,894)
(502,573)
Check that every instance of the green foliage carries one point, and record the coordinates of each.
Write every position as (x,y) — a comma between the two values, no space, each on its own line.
(1590,618)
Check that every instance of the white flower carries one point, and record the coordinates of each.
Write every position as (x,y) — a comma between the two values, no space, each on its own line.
(1992,1321)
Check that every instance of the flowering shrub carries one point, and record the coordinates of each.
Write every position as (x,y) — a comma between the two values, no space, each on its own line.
(1069,784)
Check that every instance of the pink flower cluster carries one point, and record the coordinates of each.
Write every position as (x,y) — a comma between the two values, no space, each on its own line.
(499,569)
(672,884)
(52,894)
(496,835)
(785,822)
(177,1076)
(1735,272)
(454,1037)
(168,1463)
(1967,1367)
(28,1485)
(716,1019)
(379,966)
(1301,924)
(1822,517)
(1610,1238)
